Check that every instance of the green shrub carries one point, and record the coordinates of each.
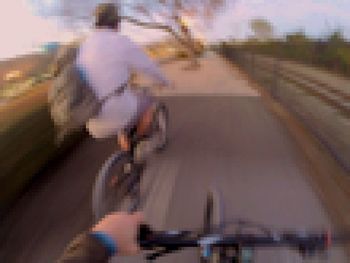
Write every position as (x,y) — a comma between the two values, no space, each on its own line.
(332,53)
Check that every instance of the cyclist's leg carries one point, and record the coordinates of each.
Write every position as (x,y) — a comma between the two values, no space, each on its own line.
(146,107)
(142,120)
(145,122)
(123,141)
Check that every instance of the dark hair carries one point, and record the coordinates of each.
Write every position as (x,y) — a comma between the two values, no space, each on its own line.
(107,15)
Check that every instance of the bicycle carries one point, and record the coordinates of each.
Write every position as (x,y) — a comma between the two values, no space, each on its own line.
(117,186)
(238,247)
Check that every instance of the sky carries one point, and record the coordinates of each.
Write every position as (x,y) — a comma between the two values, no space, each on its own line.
(315,17)
(23,31)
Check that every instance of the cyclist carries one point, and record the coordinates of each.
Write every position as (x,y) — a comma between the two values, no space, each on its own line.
(107,59)
(116,234)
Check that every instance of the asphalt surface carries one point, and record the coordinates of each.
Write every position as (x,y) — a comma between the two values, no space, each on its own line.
(229,141)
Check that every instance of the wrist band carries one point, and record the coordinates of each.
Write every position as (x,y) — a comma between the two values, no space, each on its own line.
(107,241)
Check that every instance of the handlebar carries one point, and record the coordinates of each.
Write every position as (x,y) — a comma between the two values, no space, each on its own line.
(306,243)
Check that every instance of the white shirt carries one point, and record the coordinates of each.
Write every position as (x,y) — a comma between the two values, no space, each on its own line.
(107,59)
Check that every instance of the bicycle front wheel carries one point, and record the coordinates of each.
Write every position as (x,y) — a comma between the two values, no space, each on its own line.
(110,192)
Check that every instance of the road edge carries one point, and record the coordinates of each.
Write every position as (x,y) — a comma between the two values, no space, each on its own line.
(333,191)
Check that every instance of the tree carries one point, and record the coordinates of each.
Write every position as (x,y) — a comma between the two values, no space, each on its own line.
(297,37)
(165,15)
(262,28)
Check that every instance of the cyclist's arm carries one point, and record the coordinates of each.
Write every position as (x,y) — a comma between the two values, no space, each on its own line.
(138,60)
(85,248)
(114,234)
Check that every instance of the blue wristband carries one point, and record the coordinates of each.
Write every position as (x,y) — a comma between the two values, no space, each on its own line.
(107,241)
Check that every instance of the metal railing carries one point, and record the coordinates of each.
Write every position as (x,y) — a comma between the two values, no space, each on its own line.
(323,106)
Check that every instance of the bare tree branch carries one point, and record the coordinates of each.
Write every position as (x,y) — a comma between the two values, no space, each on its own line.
(159,26)
(165,15)
(151,25)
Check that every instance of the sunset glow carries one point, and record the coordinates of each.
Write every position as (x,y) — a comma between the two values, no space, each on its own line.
(23,31)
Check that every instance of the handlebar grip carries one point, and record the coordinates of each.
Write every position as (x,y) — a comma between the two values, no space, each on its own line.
(143,235)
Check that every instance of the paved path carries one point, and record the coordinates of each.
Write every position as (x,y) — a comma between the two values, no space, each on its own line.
(229,140)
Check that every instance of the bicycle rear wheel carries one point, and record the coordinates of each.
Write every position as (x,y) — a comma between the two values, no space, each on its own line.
(111,191)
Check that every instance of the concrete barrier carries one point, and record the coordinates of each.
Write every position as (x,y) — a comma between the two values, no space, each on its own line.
(26,142)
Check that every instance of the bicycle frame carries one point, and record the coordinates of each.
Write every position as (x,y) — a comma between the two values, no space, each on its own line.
(209,253)
(307,244)
(130,183)
(124,183)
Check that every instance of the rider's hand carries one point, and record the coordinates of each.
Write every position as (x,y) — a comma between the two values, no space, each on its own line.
(123,228)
